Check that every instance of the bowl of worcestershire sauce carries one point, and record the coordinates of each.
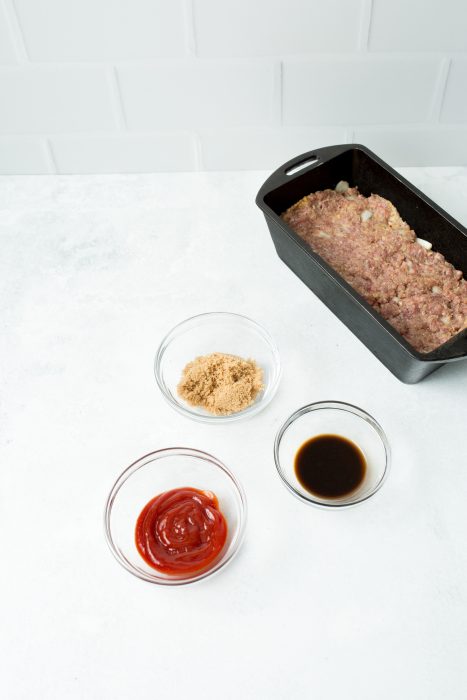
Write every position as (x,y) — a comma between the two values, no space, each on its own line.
(332,454)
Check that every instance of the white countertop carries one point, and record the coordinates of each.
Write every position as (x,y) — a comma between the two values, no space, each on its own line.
(366,603)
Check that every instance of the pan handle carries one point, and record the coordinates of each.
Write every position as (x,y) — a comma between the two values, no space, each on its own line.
(310,159)
(456,349)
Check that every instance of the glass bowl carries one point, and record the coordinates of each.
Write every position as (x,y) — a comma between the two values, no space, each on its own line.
(338,418)
(216,332)
(161,471)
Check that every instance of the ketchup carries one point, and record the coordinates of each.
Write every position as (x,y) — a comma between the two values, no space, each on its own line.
(181,531)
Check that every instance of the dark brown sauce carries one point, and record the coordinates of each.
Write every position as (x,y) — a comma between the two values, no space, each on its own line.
(330,466)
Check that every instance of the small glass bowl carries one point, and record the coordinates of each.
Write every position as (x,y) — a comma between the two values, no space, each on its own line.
(160,471)
(337,418)
(216,332)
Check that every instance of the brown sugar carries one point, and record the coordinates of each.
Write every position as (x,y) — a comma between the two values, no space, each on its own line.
(220,383)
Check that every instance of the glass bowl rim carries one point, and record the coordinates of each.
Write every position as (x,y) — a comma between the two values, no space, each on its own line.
(159,454)
(206,418)
(347,408)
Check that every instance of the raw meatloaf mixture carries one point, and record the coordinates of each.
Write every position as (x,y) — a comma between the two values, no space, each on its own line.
(365,240)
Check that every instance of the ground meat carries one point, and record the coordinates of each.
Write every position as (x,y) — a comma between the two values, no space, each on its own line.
(365,240)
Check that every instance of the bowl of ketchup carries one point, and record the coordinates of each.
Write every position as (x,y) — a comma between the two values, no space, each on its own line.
(175,516)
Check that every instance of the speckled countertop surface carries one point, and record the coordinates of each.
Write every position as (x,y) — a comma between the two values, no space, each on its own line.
(366,603)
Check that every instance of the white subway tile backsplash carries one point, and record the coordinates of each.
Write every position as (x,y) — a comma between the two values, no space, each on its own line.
(23,155)
(83,30)
(168,151)
(454,107)
(153,85)
(419,25)
(365,90)
(197,94)
(417,146)
(54,99)
(275,27)
(262,149)
(7,50)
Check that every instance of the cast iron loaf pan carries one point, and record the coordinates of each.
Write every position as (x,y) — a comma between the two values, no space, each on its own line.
(322,169)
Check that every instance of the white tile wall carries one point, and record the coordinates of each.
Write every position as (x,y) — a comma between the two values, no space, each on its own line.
(197,93)
(23,154)
(330,90)
(101,30)
(419,25)
(140,153)
(7,50)
(421,145)
(274,27)
(261,148)
(141,85)
(54,99)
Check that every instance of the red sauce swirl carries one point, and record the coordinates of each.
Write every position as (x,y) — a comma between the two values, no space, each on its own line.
(181,531)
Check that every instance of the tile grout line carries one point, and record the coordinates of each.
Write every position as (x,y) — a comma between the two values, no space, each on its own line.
(15,31)
(412,126)
(218,60)
(116,99)
(51,162)
(190,28)
(365,25)
(440,90)
(91,133)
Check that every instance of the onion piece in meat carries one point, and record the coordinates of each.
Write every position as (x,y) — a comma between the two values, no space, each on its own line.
(342,186)
(425,244)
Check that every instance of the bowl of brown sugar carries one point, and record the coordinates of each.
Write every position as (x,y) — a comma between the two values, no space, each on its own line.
(218,367)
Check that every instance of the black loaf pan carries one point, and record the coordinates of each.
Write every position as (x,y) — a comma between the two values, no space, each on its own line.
(322,169)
